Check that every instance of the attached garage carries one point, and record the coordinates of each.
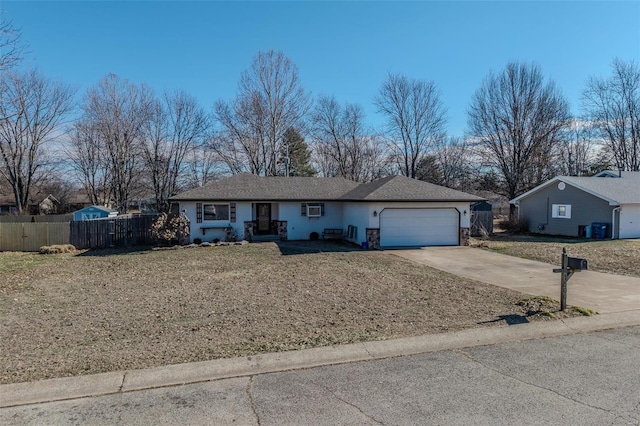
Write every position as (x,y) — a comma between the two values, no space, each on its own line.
(630,221)
(406,227)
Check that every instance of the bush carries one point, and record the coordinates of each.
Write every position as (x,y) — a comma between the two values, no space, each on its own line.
(171,229)
(516,225)
(57,249)
(314,236)
(197,241)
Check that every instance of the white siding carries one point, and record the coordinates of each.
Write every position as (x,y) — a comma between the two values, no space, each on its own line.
(358,215)
(300,227)
(630,221)
(243,212)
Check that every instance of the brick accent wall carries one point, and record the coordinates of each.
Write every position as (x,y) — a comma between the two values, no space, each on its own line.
(248,230)
(373,238)
(464,236)
(282,230)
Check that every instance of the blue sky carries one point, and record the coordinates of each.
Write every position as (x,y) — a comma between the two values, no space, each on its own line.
(343,49)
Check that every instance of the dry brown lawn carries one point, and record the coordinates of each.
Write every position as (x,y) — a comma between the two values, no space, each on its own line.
(620,257)
(74,314)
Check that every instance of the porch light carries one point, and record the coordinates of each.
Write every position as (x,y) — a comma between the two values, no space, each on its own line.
(375,213)
(465,212)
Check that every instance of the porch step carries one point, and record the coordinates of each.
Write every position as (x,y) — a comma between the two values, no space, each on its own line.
(265,238)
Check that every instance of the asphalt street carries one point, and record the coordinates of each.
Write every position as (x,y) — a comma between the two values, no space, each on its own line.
(581,379)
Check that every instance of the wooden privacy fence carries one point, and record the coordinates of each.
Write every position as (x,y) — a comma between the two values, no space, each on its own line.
(113,232)
(31,236)
(48,218)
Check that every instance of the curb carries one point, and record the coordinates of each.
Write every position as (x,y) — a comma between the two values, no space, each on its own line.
(17,394)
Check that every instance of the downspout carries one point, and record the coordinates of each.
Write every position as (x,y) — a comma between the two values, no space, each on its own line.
(613,222)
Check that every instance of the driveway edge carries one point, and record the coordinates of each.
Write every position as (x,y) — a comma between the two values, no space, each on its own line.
(17,394)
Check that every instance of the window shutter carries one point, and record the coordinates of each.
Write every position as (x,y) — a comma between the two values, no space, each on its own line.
(304,209)
(321,209)
(232,212)
(198,212)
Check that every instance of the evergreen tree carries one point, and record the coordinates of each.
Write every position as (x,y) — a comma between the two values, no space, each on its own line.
(299,155)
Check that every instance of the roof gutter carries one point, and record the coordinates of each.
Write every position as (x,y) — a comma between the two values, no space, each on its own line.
(613,222)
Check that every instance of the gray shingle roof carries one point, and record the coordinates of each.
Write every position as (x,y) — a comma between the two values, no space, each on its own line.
(616,190)
(401,188)
(623,190)
(246,187)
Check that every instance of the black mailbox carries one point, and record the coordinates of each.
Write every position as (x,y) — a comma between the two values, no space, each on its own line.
(577,264)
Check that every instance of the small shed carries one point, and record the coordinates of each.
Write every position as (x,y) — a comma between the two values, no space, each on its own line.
(93,212)
(481,219)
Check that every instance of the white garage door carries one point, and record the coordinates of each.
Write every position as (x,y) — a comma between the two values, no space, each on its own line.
(418,227)
(630,221)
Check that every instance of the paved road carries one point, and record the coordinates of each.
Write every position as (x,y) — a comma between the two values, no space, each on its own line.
(582,379)
(603,293)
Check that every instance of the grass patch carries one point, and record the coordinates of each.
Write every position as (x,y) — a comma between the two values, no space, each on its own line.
(584,311)
(13,262)
(114,310)
(609,256)
(548,307)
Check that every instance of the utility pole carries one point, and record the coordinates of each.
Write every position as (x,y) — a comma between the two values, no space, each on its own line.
(286,161)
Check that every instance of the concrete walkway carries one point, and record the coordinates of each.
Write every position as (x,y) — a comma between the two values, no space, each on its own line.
(603,293)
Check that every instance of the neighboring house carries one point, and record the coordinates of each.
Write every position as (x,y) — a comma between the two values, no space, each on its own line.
(48,205)
(93,212)
(392,212)
(7,204)
(569,205)
(143,205)
(38,204)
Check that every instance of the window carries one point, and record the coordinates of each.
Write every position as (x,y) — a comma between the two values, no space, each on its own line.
(312,209)
(216,212)
(561,211)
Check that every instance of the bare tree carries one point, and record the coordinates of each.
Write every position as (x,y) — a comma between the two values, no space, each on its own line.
(177,125)
(576,153)
(517,119)
(32,107)
(11,49)
(239,144)
(613,105)
(342,143)
(415,118)
(117,111)
(203,166)
(270,100)
(88,156)
(456,163)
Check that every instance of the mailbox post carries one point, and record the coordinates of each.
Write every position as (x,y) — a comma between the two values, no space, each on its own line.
(569,266)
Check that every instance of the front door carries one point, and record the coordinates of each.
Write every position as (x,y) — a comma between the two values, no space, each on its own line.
(263,218)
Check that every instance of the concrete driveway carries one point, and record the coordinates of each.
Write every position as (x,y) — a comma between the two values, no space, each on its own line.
(600,292)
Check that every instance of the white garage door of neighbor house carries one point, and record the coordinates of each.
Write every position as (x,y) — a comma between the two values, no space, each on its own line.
(419,227)
(630,221)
